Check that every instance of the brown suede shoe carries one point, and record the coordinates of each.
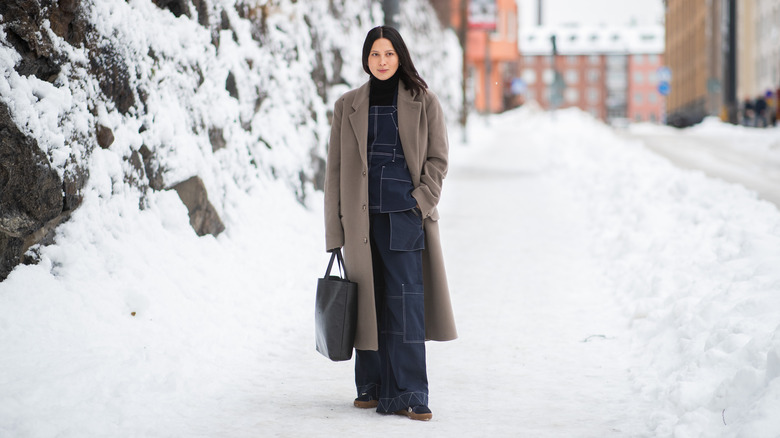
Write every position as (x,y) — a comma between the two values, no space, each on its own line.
(365,401)
(420,412)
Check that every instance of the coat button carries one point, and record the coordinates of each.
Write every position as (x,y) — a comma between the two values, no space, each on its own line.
(364,207)
(364,172)
(365,240)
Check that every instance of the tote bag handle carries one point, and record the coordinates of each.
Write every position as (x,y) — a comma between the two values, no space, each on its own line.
(336,255)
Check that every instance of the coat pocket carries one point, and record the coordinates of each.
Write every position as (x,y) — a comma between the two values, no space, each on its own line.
(406,230)
(395,191)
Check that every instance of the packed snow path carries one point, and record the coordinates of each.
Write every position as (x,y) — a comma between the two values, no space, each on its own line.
(542,349)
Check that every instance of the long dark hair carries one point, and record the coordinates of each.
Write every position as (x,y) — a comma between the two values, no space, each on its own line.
(406,71)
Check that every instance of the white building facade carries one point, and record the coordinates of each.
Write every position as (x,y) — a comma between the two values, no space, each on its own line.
(766,32)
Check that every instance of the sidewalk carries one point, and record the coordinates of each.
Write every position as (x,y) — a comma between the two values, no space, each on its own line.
(543,350)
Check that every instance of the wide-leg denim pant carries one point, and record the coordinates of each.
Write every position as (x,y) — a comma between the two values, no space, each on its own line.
(396,374)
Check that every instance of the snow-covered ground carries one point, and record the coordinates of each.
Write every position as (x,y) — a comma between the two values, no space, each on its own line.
(599,291)
(746,156)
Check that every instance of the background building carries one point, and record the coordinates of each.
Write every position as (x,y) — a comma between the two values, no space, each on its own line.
(609,72)
(694,54)
(708,77)
(747,83)
(765,30)
(491,47)
(758,62)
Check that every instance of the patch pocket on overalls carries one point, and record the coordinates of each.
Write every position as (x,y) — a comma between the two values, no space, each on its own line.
(395,189)
(386,133)
(406,231)
(414,313)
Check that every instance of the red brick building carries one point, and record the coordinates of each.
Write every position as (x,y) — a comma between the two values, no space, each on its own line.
(609,72)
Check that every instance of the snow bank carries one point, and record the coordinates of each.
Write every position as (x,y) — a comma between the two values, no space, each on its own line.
(133,326)
(694,262)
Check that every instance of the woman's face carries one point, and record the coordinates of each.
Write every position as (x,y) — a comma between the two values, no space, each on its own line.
(382,60)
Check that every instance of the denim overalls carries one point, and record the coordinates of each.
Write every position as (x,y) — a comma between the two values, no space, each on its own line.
(396,374)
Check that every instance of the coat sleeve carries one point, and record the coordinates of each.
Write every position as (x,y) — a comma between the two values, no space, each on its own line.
(435,166)
(334,230)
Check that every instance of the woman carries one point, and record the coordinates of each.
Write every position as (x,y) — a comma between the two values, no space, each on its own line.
(387,158)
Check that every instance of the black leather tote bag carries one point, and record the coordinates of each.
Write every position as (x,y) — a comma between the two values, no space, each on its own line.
(335,316)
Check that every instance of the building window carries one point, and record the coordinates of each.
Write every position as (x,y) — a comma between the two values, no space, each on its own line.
(652,97)
(511,26)
(594,59)
(530,94)
(548,76)
(594,75)
(638,117)
(616,113)
(571,59)
(593,95)
(616,61)
(652,59)
(529,76)
(639,77)
(616,79)
(652,77)
(638,97)
(653,118)
(572,76)
(639,59)
(594,112)
(571,95)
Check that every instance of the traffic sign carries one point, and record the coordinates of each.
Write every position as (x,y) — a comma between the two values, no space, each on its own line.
(664,74)
(518,86)
(664,88)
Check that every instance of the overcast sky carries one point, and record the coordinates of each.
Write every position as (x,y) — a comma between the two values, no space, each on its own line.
(592,12)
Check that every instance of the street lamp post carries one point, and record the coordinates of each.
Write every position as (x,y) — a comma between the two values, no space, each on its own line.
(463,35)
(730,95)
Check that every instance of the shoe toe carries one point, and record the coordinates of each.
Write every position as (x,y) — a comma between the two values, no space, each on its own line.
(365,401)
(419,412)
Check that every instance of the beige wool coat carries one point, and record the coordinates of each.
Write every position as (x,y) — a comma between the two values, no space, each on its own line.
(423,135)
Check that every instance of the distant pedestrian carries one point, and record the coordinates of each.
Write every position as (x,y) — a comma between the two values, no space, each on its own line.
(387,159)
(771,109)
(761,108)
(748,113)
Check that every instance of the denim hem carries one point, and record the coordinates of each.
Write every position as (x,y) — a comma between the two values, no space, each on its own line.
(372,389)
(403,401)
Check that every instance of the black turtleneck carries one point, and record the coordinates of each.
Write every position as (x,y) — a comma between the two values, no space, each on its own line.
(383,92)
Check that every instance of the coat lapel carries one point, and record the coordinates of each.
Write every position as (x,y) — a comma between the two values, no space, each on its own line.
(359,120)
(409,127)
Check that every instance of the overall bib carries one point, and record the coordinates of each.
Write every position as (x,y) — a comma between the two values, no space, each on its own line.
(395,374)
